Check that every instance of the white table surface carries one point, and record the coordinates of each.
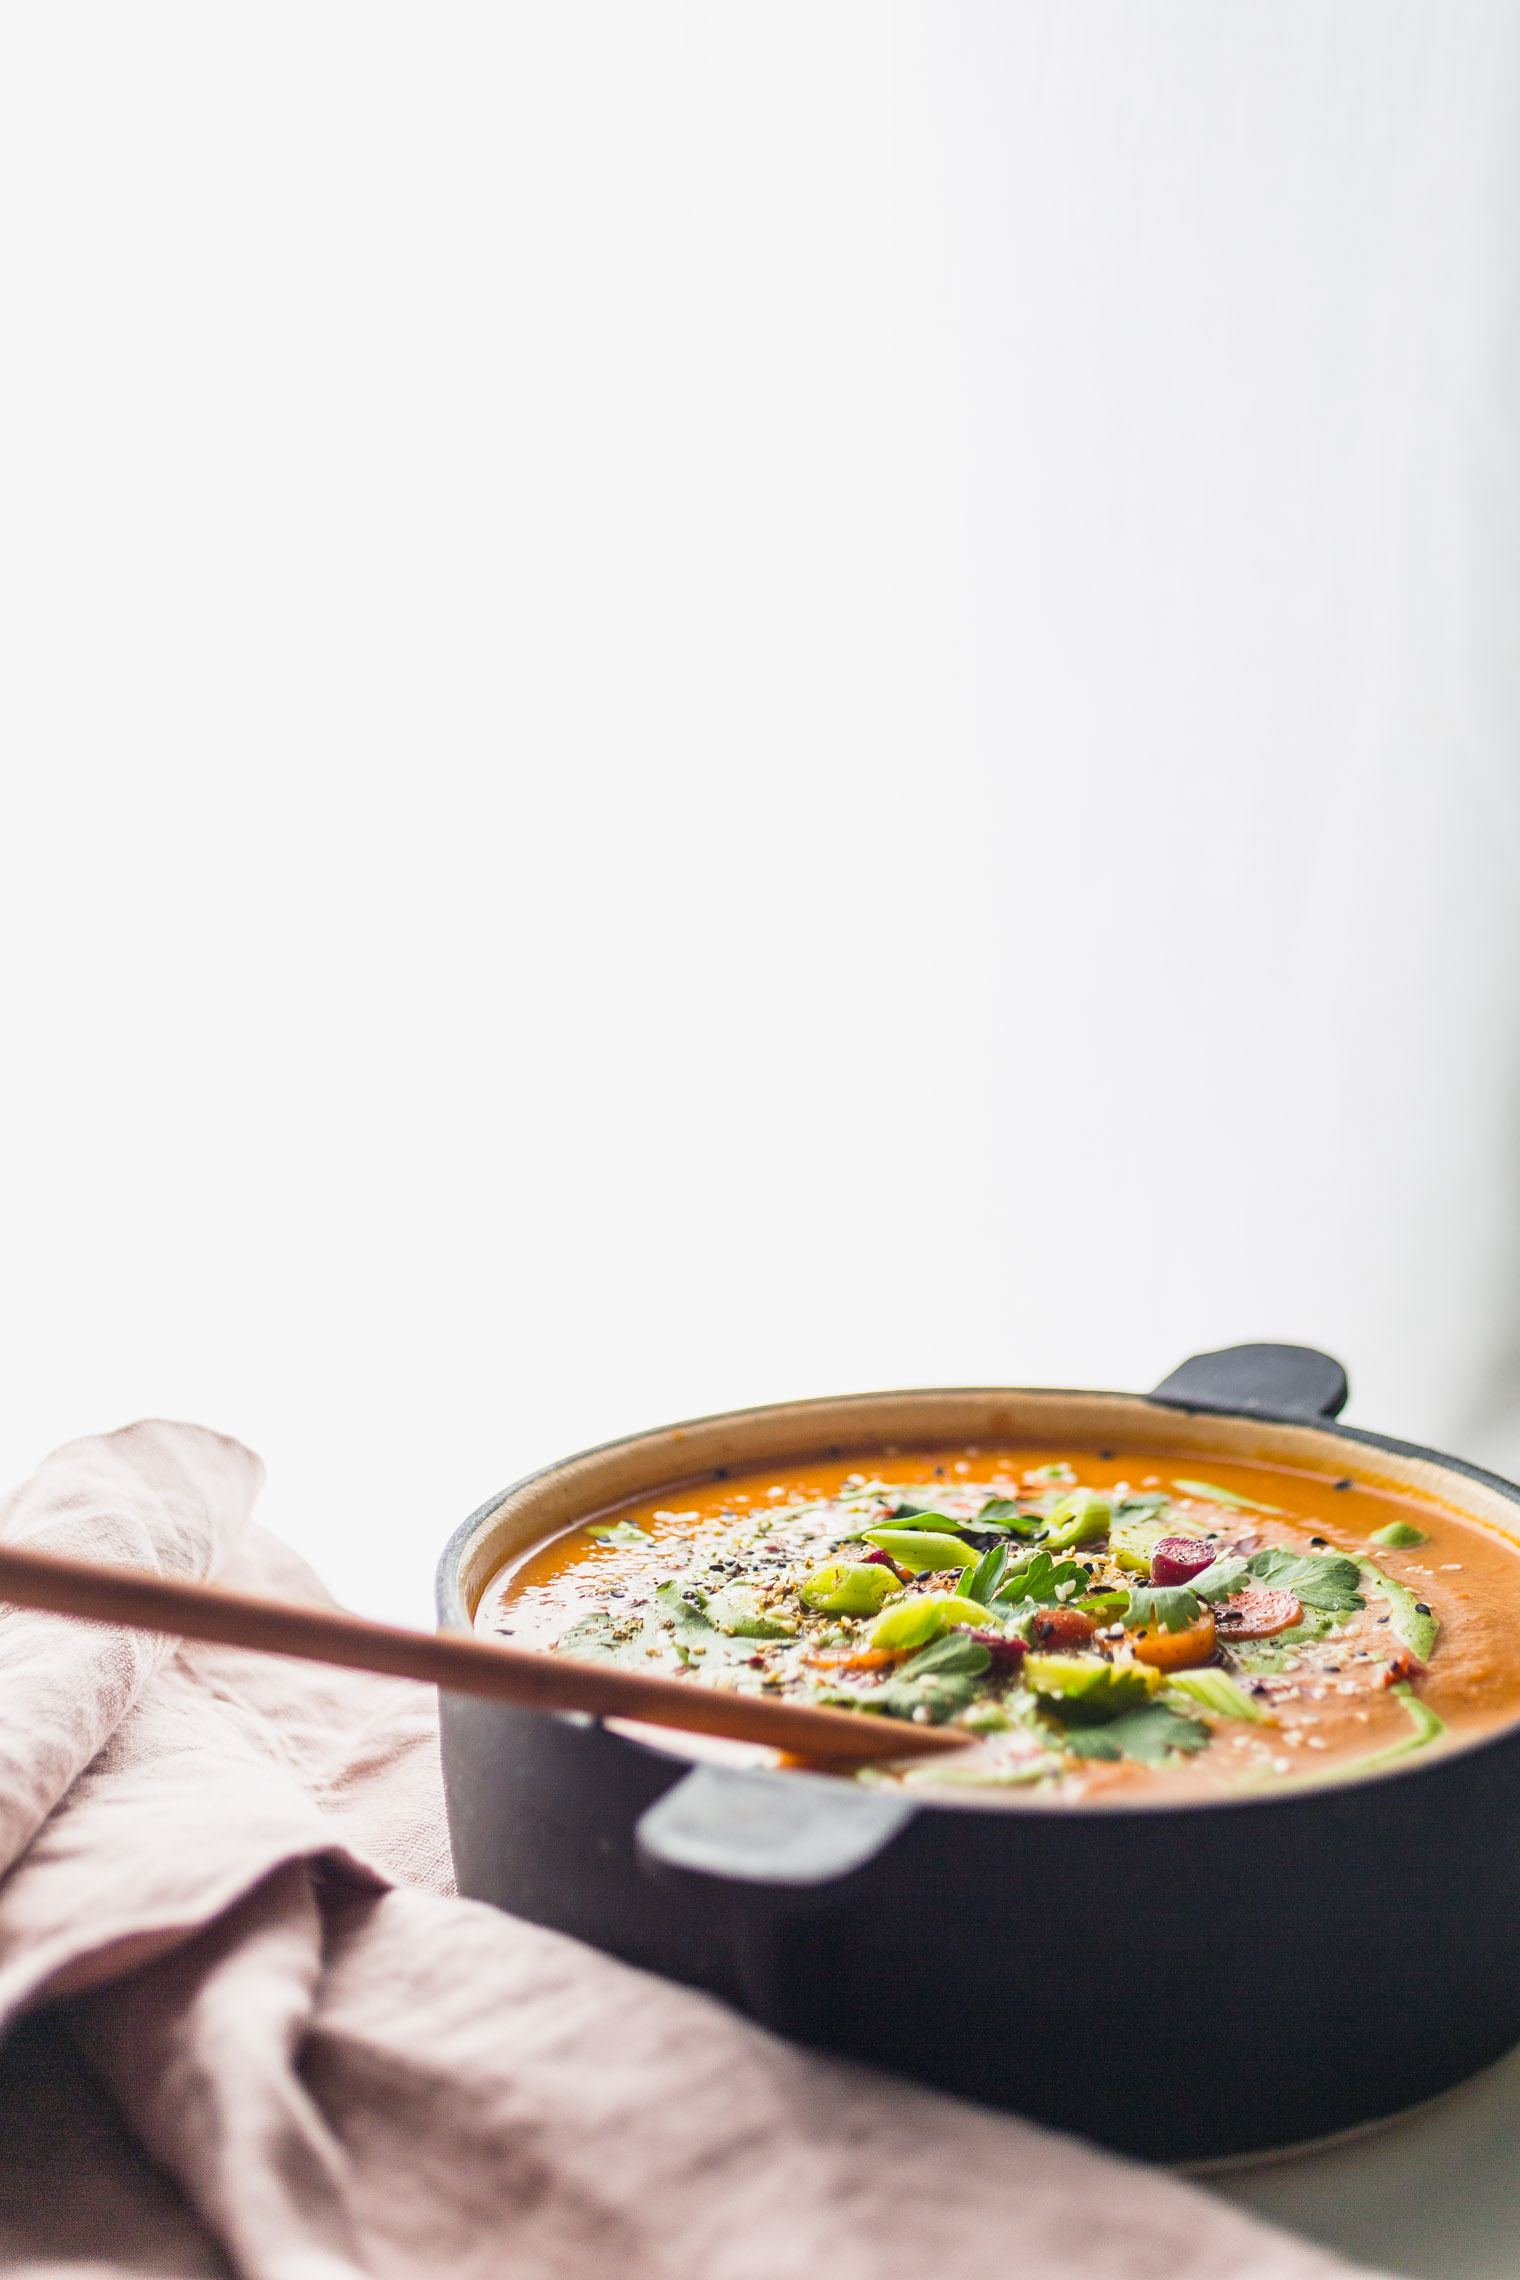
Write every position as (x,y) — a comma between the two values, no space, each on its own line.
(1435,2196)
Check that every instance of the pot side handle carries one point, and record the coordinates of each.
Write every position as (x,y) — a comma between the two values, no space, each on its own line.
(779,1840)
(1295,1383)
(763,1849)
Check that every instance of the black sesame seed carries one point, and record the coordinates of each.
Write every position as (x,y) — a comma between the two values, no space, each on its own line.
(1318,1542)
(1384,1618)
(721,1473)
(1105,1456)
(1347,1483)
(1420,1607)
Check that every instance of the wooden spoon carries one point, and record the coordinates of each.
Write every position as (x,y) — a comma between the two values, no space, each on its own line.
(453,1660)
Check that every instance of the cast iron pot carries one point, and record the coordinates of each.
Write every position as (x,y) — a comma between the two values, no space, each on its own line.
(1185,1983)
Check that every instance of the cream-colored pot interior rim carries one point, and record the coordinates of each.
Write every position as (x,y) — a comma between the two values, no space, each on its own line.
(679,1457)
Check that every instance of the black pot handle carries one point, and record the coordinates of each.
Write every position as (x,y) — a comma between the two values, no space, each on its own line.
(783,1839)
(765,1848)
(1294,1383)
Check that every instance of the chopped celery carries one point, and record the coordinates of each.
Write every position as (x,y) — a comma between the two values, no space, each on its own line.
(1215,1691)
(1084,1690)
(1078,1518)
(849,1587)
(924,1615)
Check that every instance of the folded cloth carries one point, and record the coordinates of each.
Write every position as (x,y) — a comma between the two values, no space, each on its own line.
(253,2030)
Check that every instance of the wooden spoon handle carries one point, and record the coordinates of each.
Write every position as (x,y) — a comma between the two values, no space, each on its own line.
(452,1660)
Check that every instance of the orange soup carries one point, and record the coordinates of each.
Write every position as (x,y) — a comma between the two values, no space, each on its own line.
(1106,1627)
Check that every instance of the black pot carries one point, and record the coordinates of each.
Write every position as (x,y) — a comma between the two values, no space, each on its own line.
(1185,1983)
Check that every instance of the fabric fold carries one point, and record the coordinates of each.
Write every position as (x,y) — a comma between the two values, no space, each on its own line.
(165,1497)
(201,2054)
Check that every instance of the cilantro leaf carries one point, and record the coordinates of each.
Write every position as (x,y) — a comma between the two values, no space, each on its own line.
(1003,1512)
(1168,1607)
(985,1576)
(683,1611)
(1326,1580)
(941,1679)
(684,1605)
(957,1652)
(1042,1582)
(1148,1735)
(941,1697)
(1225,1577)
(601,1637)
(737,1612)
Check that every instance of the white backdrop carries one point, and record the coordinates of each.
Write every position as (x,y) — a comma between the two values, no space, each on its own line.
(709,701)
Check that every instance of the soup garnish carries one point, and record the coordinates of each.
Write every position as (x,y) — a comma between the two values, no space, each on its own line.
(1101,1635)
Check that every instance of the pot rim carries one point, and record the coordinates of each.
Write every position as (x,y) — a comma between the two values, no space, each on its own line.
(453,1614)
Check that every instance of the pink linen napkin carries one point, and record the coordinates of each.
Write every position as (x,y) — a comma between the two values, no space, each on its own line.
(254,2031)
